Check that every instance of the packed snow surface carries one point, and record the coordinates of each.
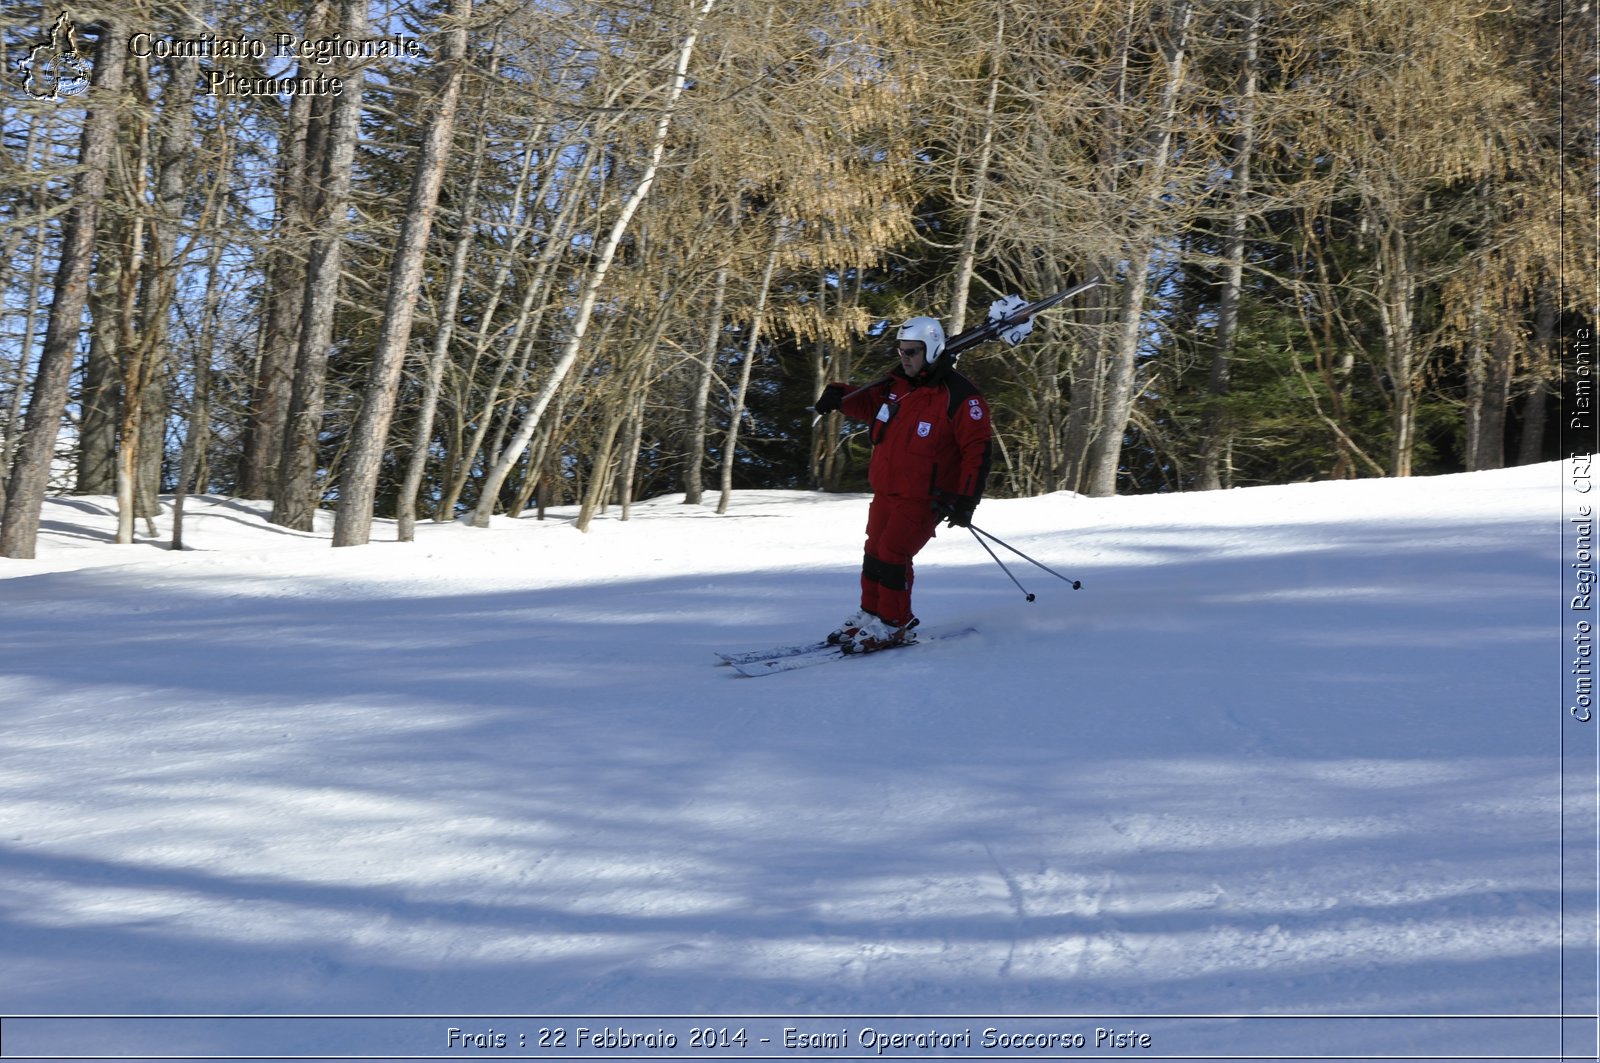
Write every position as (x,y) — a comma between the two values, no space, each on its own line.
(1288,761)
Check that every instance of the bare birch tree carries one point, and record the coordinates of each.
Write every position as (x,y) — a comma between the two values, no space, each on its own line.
(584,312)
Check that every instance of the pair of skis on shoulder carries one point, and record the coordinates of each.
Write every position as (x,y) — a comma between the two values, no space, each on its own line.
(806,654)
(1020,314)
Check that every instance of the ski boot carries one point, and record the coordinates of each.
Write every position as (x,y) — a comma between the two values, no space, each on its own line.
(847,630)
(877,634)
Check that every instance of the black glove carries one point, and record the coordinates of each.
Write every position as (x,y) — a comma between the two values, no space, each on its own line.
(957,510)
(831,398)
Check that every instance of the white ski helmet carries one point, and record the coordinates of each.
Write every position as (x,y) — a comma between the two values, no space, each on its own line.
(928,332)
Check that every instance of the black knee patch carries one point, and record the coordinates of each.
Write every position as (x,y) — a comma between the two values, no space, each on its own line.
(883,573)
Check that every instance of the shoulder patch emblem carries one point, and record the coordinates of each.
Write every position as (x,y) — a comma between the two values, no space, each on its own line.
(975,409)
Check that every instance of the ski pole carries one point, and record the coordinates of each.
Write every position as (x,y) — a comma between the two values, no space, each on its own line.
(976,530)
(1001,563)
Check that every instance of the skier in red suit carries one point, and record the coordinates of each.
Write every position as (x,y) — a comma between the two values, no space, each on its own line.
(930,458)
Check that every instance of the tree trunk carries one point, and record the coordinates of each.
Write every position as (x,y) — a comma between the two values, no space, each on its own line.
(147,290)
(359,487)
(444,332)
(1491,449)
(631,445)
(30,476)
(694,459)
(1530,448)
(174,149)
(295,505)
(1106,449)
(97,406)
(730,449)
(1215,462)
(273,387)
(604,461)
(1086,377)
(1396,291)
(1491,352)
(137,370)
(829,363)
(198,434)
(9,427)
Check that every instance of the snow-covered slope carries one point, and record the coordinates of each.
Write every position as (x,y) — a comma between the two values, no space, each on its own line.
(1290,751)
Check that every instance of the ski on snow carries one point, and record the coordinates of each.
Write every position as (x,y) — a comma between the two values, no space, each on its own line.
(746,656)
(805,655)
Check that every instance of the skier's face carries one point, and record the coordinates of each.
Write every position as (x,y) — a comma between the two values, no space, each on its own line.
(913,357)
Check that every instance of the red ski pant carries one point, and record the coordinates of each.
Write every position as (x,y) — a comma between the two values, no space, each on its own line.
(896,529)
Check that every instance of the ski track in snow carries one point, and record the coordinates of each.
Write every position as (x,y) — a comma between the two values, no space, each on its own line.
(1283,753)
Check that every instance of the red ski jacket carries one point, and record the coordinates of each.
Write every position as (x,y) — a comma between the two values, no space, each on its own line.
(929,438)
